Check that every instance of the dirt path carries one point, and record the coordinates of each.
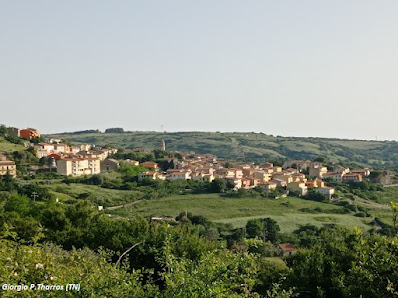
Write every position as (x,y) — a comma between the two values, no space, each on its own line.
(370,204)
(125,205)
(391,185)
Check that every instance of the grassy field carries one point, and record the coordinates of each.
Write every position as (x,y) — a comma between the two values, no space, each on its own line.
(389,194)
(9,147)
(237,211)
(257,147)
(291,221)
(290,212)
(100,196)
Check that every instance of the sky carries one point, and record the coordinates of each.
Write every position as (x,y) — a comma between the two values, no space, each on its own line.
(290,68)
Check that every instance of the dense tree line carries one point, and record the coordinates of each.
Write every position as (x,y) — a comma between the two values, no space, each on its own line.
(188,257)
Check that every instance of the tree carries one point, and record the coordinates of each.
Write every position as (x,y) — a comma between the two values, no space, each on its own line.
(171,164)
(37,140)
(271,229)
(3,130)
(227,165)
(254,228)
(218,185)
(242,192)
(265,228)
(43,161)
(30,264)
(230,185)
(215,274)
(320,159)
(394,208)
(307,235)
(346,263)
(129,170)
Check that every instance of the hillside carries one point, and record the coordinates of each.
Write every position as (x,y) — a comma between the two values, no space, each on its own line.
(6,146)
(250,146)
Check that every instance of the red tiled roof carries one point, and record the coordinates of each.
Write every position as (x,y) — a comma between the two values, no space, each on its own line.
(269,183)
(7,162)
(287,247)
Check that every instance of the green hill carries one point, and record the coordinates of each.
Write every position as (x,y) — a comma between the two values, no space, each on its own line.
(6,146)
(256,147)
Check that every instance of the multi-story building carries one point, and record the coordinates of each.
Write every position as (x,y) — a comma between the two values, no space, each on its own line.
(283,176)
(147,175)
(248,172)
(132,162)
(343,170)
(267,165)
(364,172)
(13,131)
(298,187)
(183,175)
(249,183)
(352,178)
(202,177)
(207,170)
(298,177)
(9,167)
(109,164)
(317,170)
(314,183)
(268,185)
(299,164)
(237,182)
(262,176)
(29,133)
(45,149)
(53,140)
(328,191)
(334,176)
(277,169)
(78,166)
(149,165)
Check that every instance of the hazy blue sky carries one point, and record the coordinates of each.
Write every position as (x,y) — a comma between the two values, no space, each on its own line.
(292,68)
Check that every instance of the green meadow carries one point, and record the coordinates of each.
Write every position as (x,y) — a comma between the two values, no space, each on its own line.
(237,211)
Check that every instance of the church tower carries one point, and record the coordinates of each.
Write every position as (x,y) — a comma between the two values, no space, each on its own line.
(163,148)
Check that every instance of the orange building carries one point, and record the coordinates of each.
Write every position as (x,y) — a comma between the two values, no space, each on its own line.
(29,133)
(150,165)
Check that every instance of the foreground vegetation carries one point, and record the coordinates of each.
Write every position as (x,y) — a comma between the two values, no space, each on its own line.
(53,243)
(200,253)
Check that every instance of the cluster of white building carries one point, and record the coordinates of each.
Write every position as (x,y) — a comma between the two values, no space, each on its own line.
(339,174)
(73,160)
(268,176)
(84,160)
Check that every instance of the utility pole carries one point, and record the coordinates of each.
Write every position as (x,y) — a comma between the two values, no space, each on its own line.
(34,195)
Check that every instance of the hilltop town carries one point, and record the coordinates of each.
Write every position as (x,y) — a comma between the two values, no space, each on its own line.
(294,176)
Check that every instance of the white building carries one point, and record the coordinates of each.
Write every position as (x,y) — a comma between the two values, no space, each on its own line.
(9,167)
(45,149)
(179,176)
(147,175)
(334,176)
(329,191)
(78,166)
